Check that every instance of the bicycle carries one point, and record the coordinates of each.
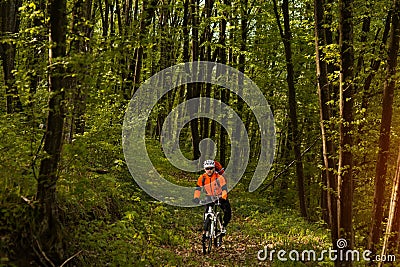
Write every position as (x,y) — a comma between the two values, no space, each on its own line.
(212,225)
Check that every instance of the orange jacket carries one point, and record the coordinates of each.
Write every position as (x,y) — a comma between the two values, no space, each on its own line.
(213,185)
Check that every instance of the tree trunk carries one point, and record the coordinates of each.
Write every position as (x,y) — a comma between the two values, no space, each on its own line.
(391,239)
(104,17)
(207,36)
(224,92)
(332,65)
(75,123)
(50,234)
(328,151)
(345,172)
(185,29)
(286,36)
(243,33)
(365,29)
(9,24)
(192,88)
(375,63)
(285,159)
(242,57)
(384,137)
(129,60)
(148,10)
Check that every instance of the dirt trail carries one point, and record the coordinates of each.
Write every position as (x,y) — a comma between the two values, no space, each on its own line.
(237,249)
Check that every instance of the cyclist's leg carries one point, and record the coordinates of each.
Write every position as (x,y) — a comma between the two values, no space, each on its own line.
(226,207)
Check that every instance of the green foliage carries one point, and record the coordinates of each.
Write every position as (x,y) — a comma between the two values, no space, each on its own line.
(106,216)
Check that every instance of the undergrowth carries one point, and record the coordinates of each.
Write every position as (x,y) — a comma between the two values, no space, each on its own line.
(109,221)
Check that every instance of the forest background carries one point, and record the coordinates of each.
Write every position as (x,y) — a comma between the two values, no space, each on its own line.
(328,69)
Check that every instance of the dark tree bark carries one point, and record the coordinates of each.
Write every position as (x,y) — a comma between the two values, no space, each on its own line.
(164,62)
(9,24)
(75,123)
(345,172)
(50,234)
(384,137)
(285,159)
(104,16)
(206,55)
(328,151)
(193,88)
(243,47)
(243,34)
(37,56)
(286,36)
(331,39)
(129,61)
(367,92)
(365,29)
(185,29)
(375,65)
(127,15)
(222,57)
(148,10)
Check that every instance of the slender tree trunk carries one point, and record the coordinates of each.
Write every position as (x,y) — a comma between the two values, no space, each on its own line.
(345,172)
(323,86)
(286,38)
(50,234)
(129,61)
(391,239)
(243,33)
(243,47)
(9,24)
(365,29)
(148,10)
(207,36)
(285,159)
(332,66)
(164,62)
(375,64)
(127,15)
(193,89)
(224,92)
(374,67)
(37,55)
(384,137)
(104,17)
(75,122)
(185,26)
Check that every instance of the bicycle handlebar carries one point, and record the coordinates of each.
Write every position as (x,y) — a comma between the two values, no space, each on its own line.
(214,199)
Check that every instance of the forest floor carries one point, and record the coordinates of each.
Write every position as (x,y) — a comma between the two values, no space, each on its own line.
(161,235)
(107,220)
(145,232)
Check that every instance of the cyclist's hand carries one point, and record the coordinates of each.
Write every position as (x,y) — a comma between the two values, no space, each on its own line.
(196,200)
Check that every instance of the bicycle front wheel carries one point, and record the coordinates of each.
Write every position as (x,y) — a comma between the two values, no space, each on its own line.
(207,241)
(218,231)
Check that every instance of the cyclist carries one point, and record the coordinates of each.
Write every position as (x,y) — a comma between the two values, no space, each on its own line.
(214,185)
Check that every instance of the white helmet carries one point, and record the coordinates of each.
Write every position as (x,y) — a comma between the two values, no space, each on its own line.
(209,163)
